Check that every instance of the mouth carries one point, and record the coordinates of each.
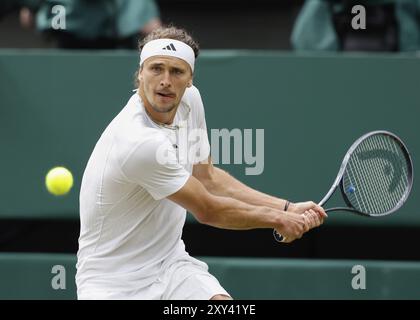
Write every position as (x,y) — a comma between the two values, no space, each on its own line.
(166,95)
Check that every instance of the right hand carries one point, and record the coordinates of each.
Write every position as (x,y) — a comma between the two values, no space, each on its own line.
(302,207)
(300,218)
(292,226)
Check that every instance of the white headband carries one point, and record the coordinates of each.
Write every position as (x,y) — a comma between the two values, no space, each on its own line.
(168,47)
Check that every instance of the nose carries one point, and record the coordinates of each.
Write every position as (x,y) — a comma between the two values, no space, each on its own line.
(165,81)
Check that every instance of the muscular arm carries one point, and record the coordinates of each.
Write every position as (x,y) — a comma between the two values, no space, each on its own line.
(219,182)
(217,199)
(229,213)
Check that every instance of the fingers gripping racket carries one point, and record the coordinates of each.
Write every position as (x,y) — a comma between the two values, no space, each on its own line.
(375,177)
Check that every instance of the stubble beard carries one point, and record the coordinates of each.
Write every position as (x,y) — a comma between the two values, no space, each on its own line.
(164,110)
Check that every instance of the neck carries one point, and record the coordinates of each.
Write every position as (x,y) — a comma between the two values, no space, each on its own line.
(159,117)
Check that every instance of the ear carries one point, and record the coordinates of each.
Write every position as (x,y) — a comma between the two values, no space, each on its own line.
(190,83)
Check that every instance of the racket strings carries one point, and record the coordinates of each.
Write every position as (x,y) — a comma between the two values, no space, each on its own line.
(375,187)
(377,175)
(388,202)
(361,185)
(378,165)
(382,164)
(361,196)
(400,169)
(351,182)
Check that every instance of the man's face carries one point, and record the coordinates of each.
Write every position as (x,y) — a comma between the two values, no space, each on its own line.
(163,81)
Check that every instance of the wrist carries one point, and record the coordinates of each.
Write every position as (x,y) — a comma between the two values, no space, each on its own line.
(289,206)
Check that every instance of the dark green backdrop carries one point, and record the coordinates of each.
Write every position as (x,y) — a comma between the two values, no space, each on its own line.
(54,106)
(29,276)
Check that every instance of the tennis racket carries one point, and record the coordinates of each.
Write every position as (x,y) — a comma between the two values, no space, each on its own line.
(375,177)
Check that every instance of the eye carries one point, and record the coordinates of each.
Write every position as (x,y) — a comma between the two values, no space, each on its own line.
(178,72)
(156,68)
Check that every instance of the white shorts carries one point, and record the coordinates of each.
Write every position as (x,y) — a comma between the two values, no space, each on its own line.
(183,279)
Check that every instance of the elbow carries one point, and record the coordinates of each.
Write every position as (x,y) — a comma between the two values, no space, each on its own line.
(202,218)
(207,214)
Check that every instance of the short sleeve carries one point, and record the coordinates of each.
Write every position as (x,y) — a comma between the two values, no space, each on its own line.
(154,166)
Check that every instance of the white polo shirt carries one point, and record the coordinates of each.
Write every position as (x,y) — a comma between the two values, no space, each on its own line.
(129,230)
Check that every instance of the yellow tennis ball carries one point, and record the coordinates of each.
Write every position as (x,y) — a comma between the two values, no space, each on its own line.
(59,181)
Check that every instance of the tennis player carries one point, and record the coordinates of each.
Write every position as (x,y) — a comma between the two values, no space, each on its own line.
(138,184)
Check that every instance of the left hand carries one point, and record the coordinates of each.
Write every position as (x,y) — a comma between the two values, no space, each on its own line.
(313,213)
(312,219)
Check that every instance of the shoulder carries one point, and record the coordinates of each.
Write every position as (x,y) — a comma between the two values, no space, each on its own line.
(131,141)
(147,154)
(132,125)
(192,96)
(133,135)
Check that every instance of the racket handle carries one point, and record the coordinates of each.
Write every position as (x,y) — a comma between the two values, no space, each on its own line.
(277,236)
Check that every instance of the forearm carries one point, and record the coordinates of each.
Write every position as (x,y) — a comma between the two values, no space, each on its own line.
(223,184)
(225,212)
(230,213)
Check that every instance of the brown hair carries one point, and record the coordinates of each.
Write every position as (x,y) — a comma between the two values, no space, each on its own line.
(168,32)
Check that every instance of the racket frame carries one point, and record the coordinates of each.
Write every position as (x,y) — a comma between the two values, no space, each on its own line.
(339,180)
